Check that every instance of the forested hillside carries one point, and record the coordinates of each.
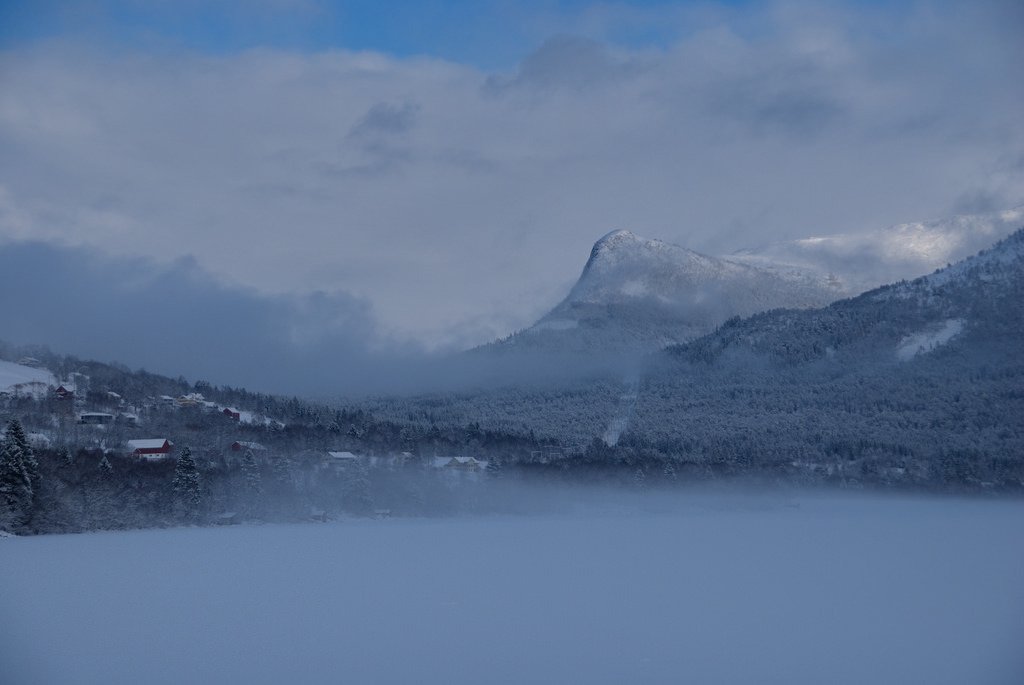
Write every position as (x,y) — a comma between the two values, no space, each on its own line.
(917,384)
(234,454)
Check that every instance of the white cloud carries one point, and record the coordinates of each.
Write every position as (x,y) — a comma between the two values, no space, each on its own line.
(462,204)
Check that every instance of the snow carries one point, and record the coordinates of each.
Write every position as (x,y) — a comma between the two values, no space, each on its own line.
(700,589)
(39,440)
(249,417)
(636,292)
(926,341)
(16,378)
(146,444)
(635,287)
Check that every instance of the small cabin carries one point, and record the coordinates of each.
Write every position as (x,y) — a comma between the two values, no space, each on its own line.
(233,414)
(464,464)
(227,518)
(459,463)
(341,461)
(152,448)
(65,391)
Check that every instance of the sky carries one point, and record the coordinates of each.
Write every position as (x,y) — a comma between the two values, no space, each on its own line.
(433,174)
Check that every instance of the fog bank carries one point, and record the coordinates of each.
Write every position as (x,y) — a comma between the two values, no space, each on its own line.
(687,588)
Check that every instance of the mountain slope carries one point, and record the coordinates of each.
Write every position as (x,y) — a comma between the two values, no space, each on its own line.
(637,294)
(917,383)
(983,294)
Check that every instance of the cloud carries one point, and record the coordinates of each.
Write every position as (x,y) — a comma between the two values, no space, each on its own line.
(462,203)
(385,119)
(567,61)
(176,319)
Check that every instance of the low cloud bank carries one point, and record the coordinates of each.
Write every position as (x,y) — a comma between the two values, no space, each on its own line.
(177,319)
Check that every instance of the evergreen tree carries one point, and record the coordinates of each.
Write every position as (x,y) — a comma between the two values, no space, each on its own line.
(187,496)
(16,433)
(16,493)
(102,500)
(640,478)
(253,480)
(357,490)
(64,455)
(282,467)
(494,467)
(670,471)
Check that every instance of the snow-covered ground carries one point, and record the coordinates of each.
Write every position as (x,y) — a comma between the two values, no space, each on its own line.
(19,378)
(926,341)
(698,589)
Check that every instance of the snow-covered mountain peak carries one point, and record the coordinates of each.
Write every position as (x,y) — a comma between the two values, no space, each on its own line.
(639,293)
(620,250)
(613,239)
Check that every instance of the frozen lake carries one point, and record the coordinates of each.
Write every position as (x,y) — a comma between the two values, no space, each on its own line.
(722,589)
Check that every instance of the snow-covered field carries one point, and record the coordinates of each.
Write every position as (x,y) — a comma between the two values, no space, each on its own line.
(16,377)
(696,589)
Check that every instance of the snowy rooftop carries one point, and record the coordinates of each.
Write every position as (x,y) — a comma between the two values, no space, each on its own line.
(147,444)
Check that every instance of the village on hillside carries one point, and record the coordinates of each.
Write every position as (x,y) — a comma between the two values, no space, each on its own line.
(113,444)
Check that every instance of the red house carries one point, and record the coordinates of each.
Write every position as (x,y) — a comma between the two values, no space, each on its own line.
(156,448)
(232,413)
(63,392)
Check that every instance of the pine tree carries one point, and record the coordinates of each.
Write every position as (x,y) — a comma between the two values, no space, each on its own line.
(282,470)
(64,455)
(187,495)
(16,493)
(253,479)
(357,490)
(640,478)
(102,501)
(16,433)
(251,469)
(494,467)
(670,471)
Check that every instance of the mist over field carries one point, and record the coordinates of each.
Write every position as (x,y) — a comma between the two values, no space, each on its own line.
(594,587)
